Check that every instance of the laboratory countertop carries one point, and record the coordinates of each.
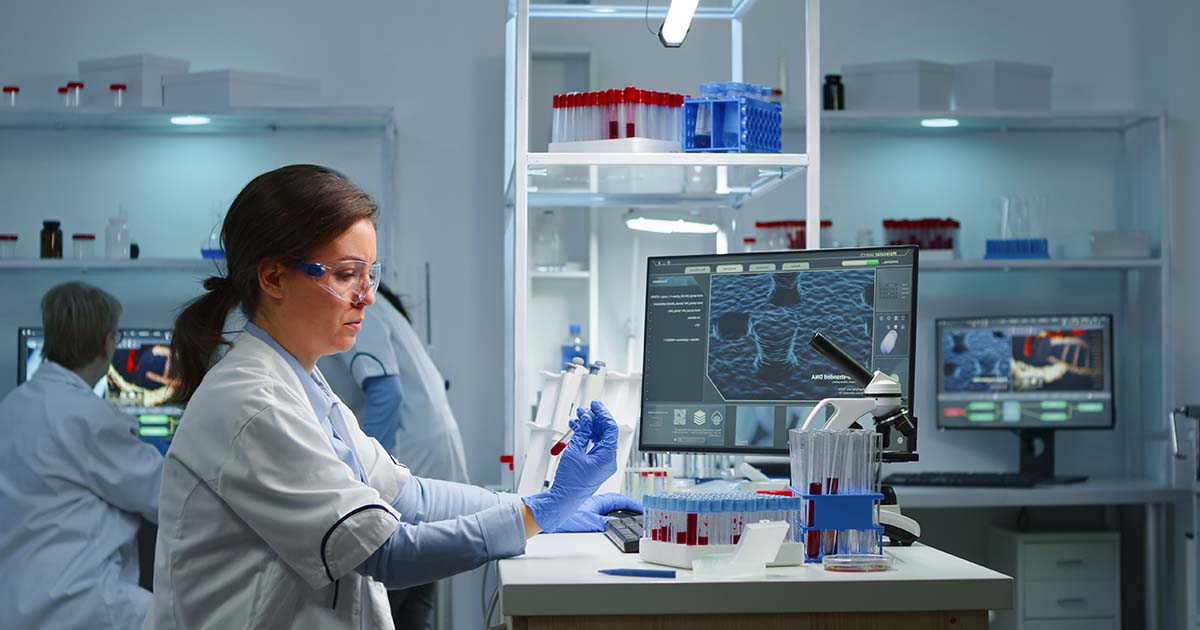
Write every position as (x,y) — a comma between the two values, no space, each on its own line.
(1097,491)
(558,575)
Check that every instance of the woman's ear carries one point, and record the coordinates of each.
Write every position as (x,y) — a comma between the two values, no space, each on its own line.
(270,278)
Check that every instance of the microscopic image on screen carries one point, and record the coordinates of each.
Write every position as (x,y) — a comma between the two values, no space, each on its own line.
(1058,360)
(760,325)
(975,360)
(141,375)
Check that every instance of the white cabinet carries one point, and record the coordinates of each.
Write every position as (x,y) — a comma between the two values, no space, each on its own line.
(1065,581)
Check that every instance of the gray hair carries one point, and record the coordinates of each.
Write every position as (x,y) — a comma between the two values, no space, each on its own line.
(76,318)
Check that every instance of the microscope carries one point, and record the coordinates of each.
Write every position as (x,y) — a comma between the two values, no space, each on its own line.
(882,400)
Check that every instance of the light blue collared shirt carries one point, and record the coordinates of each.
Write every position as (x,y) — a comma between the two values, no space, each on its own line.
(321,400)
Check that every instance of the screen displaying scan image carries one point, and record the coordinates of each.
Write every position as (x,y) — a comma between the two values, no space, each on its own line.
(727,338)
(139,381)
(1046,371)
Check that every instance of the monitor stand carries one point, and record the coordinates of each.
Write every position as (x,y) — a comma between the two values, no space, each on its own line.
(1037,457)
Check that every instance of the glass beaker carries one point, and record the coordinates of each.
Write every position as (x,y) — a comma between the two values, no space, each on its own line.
(546,244)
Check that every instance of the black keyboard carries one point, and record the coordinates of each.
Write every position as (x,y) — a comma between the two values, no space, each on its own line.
(987,480)
(625,533)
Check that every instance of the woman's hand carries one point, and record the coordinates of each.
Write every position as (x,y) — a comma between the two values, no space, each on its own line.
(581,471)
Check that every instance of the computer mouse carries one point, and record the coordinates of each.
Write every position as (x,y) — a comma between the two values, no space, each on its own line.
(622,513)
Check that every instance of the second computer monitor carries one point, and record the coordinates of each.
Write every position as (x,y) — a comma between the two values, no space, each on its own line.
(139,377)
(727,364)
(1025,372)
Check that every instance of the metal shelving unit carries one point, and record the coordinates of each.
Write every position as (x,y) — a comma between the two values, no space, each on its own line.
(608,181)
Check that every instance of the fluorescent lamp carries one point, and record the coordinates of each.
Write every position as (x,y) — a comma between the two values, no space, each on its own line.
(665,226)
(190,120)
(939,123)
(677,23)
(604,10)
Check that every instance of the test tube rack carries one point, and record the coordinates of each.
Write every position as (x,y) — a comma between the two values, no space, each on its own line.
(735,125)
(839,513)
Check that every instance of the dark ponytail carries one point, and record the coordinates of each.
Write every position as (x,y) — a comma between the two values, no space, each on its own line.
(281,215)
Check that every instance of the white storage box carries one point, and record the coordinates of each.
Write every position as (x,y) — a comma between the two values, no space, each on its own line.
(1001,85)
(902,86)
(141,74)
(218,89)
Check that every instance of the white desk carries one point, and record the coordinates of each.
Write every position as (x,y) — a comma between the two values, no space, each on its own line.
(1098,491)
(556,585)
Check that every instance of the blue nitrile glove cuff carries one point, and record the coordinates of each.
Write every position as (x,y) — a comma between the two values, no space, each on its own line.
(580,472)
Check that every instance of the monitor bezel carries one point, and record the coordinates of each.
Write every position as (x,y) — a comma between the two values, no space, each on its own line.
(728,450)
(1110,358)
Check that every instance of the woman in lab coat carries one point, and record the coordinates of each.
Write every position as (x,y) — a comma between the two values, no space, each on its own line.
(277,511)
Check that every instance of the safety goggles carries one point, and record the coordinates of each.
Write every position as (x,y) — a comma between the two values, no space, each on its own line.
(348,280)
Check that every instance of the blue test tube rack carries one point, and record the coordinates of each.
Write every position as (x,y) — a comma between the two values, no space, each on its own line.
(840,512)
(1017,248)
(738,124)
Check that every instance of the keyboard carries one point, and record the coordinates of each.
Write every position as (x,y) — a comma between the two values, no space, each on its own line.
(986,480)
(625,532)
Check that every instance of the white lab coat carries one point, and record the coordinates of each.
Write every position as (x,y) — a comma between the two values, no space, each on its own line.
(75,481)
(260,524)
(428,441)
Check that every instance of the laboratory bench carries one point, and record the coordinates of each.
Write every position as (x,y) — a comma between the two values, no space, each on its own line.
(556,585)
(1095,491)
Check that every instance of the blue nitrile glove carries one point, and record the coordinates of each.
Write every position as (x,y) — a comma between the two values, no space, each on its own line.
(580,471)
(591,515)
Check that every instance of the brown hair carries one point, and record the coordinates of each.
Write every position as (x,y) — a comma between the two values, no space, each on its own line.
(281,215)
(77,319)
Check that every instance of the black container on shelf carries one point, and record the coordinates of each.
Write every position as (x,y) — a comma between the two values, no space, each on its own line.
(834,93)
(52,239)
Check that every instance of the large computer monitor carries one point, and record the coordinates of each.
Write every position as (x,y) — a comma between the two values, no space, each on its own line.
(139,382)
(727,364)
(1033,373)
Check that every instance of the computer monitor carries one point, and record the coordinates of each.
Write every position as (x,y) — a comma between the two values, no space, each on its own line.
(1033,373)
(139,382)
(727,365)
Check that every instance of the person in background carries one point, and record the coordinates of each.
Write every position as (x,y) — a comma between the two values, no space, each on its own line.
(75,480)
(406,410)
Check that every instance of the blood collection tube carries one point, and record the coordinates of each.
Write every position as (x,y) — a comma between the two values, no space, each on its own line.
(643,111)
(556,110)
(612,118)
(664,126)
(676,113)
(75,91)
(64,94)
(630,119)
(813,543)
(118,94)
(10,95)
(596,127)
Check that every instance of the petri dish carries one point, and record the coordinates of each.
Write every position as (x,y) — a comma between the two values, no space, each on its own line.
(857,563)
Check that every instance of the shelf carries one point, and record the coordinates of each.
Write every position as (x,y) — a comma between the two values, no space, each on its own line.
(235,120)
(657,179)
(975,122)
(717,10)
(560,275)
(197,265)
(1043,264)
